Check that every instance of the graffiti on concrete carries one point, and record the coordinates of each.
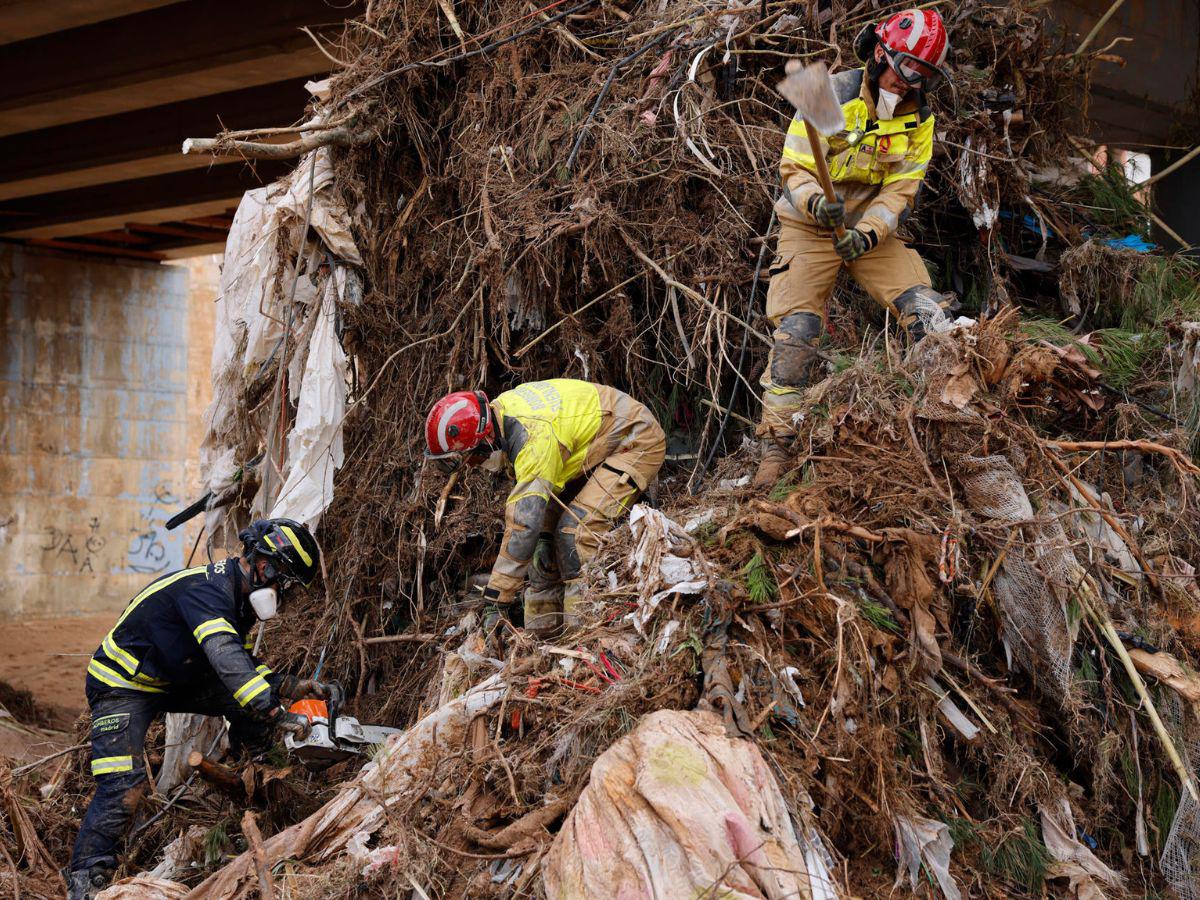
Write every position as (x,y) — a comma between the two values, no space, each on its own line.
(77,551)
(149,551)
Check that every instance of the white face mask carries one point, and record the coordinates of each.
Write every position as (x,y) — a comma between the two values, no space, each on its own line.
(265,603)
(494,462)
(885,107)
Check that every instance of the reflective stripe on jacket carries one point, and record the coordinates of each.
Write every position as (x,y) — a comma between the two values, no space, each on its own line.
(186,628)
(877,166)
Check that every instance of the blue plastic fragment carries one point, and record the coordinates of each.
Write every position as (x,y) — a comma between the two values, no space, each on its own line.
(1132,242)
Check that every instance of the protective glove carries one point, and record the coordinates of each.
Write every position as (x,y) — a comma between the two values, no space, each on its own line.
(827,213)
(303,688)
(294,724)
(853,244)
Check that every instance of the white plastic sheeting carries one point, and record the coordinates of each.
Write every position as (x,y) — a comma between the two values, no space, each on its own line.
(273,280)
(315,443)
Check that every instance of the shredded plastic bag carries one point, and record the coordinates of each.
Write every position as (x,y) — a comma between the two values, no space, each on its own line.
(920,839)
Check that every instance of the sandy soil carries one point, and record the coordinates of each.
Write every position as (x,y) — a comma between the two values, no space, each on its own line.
(48,657)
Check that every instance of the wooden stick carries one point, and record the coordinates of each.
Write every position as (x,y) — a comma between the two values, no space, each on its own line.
(221,777)
(439,511)
(814,141)
(21,770)
(1103,20)
(525,827)
(778,509)
(1179,163)
(253,837)
(57,779)
(1174,235)
(1177,459)
(342,137)
(1099,615)
(401,639)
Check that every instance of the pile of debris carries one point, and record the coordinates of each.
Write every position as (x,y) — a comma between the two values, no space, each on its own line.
(955,645)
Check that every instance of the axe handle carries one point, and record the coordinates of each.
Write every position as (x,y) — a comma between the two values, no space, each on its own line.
(814,141)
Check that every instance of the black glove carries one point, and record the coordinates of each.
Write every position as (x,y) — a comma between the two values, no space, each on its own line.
(303,688)
(853,244)
(294,724)
(826,213)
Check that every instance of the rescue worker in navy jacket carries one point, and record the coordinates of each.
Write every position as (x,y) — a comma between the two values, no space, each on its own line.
(183,645)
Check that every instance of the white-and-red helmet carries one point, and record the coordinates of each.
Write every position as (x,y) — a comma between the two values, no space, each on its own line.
(458,427)
(915,44)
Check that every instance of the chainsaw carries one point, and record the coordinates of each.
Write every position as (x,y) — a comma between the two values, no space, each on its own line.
(334,737)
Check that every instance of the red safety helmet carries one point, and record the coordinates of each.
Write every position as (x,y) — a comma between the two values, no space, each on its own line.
(914,43)
(458,428)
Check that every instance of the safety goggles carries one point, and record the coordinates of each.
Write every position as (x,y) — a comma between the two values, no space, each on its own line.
(274,575)
(913,70)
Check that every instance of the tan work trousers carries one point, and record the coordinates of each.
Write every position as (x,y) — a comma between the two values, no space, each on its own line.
(806,266)
(575,524)
(803,273)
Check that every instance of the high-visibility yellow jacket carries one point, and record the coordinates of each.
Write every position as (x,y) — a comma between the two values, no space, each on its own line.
(877,166)
(551,432)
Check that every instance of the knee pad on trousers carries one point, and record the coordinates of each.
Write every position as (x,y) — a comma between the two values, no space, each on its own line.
(920,310)
(569,563)
(794,352)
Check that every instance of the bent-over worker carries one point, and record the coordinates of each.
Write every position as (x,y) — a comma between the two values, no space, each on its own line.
(877,163)
(183,645)
(580,452)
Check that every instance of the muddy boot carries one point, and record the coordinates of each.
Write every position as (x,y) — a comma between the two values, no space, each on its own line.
(84,884)
(922,311)
(791,367)
(543,611)
(572,596)
(774,462)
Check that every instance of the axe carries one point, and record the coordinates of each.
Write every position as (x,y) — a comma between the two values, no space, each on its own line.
(810,90)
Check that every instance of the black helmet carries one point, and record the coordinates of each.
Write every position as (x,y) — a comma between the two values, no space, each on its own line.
(289,548)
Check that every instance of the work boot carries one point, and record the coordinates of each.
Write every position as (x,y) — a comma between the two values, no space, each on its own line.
(772,464)
(922,311)
(572,597)
(791,366)
(543,611)
(84,884)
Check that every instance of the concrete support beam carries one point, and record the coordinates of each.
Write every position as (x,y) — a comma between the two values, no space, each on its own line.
(100,144)
(191,193)
(21,19)
(176,39)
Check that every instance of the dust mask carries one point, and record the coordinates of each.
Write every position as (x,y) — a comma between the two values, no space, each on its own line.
(494,462)
(265,602)
(885,107)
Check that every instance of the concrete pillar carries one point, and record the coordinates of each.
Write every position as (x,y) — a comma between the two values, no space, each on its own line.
(103,383)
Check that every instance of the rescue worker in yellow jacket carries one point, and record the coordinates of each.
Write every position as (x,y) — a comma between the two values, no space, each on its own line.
(877,164)
(580,453)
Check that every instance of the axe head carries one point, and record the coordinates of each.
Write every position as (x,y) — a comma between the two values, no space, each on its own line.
(810,90)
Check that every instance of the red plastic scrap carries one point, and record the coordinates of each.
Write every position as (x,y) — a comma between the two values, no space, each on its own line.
(615,676)
(578,685)
(531,691)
